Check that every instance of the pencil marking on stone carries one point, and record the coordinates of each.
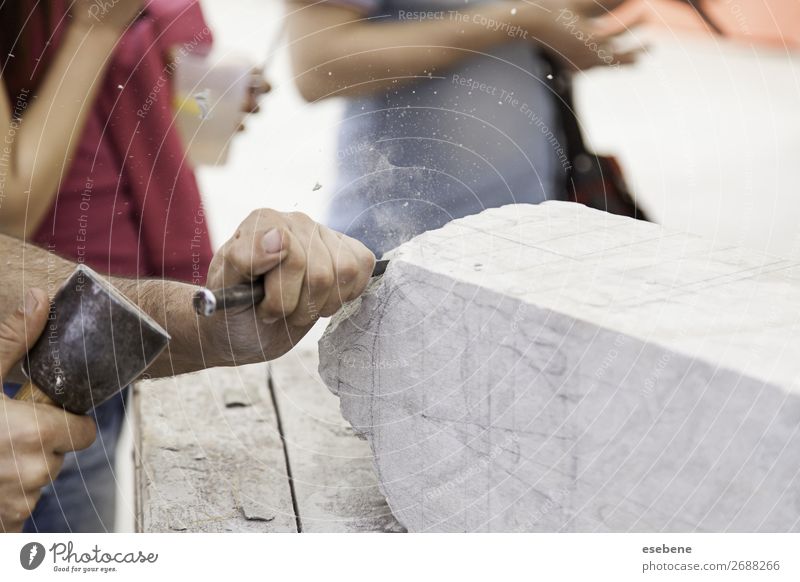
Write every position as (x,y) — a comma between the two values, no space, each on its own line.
(648,378)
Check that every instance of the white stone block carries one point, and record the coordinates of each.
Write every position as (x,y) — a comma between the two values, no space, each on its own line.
(556,368)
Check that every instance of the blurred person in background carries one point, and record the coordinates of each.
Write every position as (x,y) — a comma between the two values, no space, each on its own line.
(94,170)
(451,107)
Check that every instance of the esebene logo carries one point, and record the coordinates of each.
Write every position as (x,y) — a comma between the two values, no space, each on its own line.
(31,555)
(65,558)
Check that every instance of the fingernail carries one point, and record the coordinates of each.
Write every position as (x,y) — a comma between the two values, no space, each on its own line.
(31,303)
(269,320)
(271,243)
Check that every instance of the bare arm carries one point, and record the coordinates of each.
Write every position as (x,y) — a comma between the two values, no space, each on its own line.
(336,51)
(40,147)
(28,266)
(309,272)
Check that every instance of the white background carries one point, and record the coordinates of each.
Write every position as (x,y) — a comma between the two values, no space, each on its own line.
(423,557)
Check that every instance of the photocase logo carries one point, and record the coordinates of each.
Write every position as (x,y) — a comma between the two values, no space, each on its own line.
(31,555)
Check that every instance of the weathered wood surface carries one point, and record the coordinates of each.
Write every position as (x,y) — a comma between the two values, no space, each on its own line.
(211,454)
(332,472)
(554,368)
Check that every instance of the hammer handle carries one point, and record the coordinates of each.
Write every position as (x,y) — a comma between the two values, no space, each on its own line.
(31,393)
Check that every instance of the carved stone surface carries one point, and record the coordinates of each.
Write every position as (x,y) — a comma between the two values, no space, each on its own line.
(556,368)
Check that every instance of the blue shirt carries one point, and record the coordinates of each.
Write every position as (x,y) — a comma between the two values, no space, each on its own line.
(483,134)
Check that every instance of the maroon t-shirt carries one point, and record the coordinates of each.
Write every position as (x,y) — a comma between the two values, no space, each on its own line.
(93,219)
(129,203)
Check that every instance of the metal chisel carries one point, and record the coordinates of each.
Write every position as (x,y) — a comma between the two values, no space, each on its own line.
(207,302)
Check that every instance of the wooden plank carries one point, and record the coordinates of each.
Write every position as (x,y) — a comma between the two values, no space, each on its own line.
(209,456)
(333,477)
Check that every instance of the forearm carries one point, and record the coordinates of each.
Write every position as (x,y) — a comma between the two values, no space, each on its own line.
(203,342)
(43,143)
(300,286)
(168,302)
(26,266)
(335,53)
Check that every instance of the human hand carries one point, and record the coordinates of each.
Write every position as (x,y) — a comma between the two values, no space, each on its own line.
(33,438)
(586,7)
(529,12)
(116,14)
(570,30)
(258,86)
(309,272)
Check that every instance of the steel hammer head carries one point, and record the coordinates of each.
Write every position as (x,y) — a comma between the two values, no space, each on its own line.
(95,343)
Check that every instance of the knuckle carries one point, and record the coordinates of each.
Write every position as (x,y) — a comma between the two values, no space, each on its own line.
(236,259)
(34,434)
(300,318)
(301,217)
(255,215)
(261,216)
(295,261)
(329,309)
(23,507)
(321,279)
(33,474)
(56,462)
(49,427)
(366,260)
(348,270)
(272,307)
(40,474)
(83,431)
(226,250)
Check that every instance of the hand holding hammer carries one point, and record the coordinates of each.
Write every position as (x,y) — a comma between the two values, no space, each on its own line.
(33,439)
(96,343)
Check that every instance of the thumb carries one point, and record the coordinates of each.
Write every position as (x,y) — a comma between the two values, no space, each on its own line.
(21,329)
(246,257)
